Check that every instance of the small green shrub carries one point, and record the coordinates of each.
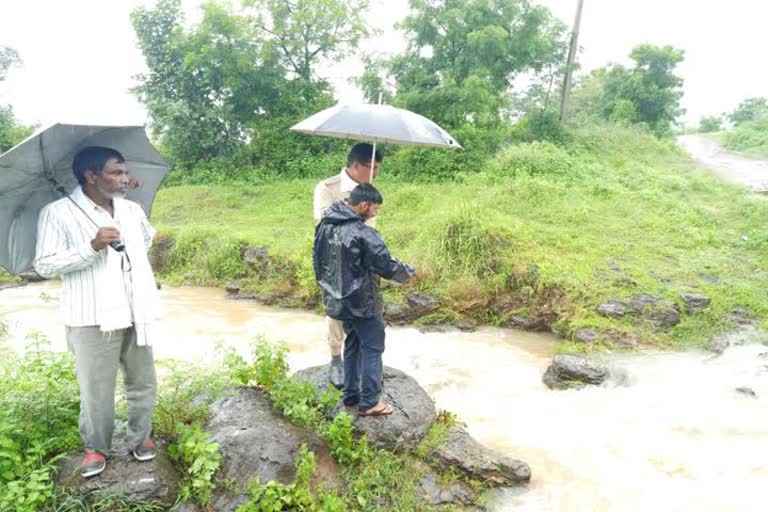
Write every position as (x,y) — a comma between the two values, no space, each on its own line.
(200,460)
(185,395)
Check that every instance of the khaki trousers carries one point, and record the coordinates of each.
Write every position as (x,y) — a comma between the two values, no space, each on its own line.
(336,334)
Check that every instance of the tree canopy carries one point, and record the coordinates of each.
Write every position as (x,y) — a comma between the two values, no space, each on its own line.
(222,84)
(463,55)
(11,131)
(648,93)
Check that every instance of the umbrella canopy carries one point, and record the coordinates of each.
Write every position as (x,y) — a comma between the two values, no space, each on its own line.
(377,123)
(32,171)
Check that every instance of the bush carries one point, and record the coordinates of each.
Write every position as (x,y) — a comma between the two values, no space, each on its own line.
(540,126)
(750,137)
(39,409)
(537,158)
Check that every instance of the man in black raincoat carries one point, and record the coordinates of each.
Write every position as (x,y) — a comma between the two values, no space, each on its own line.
(349,258)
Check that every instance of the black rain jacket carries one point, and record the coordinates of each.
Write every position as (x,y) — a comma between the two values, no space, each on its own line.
(348,256)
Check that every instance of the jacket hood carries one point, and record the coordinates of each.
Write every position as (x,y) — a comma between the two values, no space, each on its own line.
(339,213)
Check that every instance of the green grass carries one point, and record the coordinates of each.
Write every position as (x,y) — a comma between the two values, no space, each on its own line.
(542,226)
(6,278)
(750,138)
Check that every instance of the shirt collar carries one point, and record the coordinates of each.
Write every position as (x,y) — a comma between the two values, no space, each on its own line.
(347,183)
(87,203)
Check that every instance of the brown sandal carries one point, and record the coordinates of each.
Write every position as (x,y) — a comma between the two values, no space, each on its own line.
(380,409)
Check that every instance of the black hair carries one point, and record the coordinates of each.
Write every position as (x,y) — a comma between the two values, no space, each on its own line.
(361,153)
(93,158)
(365,193)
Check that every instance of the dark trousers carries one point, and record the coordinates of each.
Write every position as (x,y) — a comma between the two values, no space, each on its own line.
(362,361)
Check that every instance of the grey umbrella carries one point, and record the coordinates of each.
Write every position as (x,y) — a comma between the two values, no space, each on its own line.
(39,171)
(376,123)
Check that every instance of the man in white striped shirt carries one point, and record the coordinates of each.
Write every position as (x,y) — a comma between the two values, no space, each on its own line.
(97,241)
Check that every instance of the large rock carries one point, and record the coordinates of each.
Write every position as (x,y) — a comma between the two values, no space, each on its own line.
(658,311)
(664,316)
(586,335)
(640,303)
(398,314)
(718,343)
(135,482)
(536,323)
(257,258)
(573,371)
(441,493)
(159,253)
(406,426)
(416,305)
(695,302)
(255,441)
(613,308)
(466,455)
(422,304)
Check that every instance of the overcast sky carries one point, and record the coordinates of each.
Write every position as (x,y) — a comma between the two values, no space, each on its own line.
(80,55)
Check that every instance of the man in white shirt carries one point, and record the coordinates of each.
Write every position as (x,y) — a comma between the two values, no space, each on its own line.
(97,241)
(327,192)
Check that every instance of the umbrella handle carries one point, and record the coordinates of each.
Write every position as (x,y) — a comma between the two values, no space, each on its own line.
(373,156)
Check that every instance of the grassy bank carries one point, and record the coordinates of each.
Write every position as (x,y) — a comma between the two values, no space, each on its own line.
(550,230)
(750,138)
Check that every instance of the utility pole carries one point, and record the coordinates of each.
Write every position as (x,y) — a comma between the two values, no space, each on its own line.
(564,103)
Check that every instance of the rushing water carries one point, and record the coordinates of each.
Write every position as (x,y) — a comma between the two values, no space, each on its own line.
(676,438)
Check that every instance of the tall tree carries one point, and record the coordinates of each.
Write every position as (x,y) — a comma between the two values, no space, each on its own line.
(463,55)
(648,93)
(236,76)
(749,110)
(306,33)
(11,131)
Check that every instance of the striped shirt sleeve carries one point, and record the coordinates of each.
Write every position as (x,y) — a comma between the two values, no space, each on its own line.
(54,254)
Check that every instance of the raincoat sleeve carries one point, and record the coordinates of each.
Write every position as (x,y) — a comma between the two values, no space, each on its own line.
(376,258)
(53,254)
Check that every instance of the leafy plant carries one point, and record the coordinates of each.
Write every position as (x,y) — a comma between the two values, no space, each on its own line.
(185,396)
(200,459)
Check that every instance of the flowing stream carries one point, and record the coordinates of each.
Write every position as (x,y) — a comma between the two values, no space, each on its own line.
(676,437)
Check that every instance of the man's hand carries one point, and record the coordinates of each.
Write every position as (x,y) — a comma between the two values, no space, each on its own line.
(104,237)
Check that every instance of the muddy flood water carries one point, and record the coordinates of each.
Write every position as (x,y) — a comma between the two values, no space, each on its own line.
(677,437)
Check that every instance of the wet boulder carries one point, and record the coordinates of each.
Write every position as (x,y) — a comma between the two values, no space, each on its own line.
(695,302)
(441,493)
(133,481)
(398,314)
(461,452)
(422,304)
(573,371)
(718,343)
(160,252)
(663,316)
(642,302)
(742,334)
(414,411)
(257,258)
(255,441)
(233,287)
(612,308)
(586,335)
(535,323)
